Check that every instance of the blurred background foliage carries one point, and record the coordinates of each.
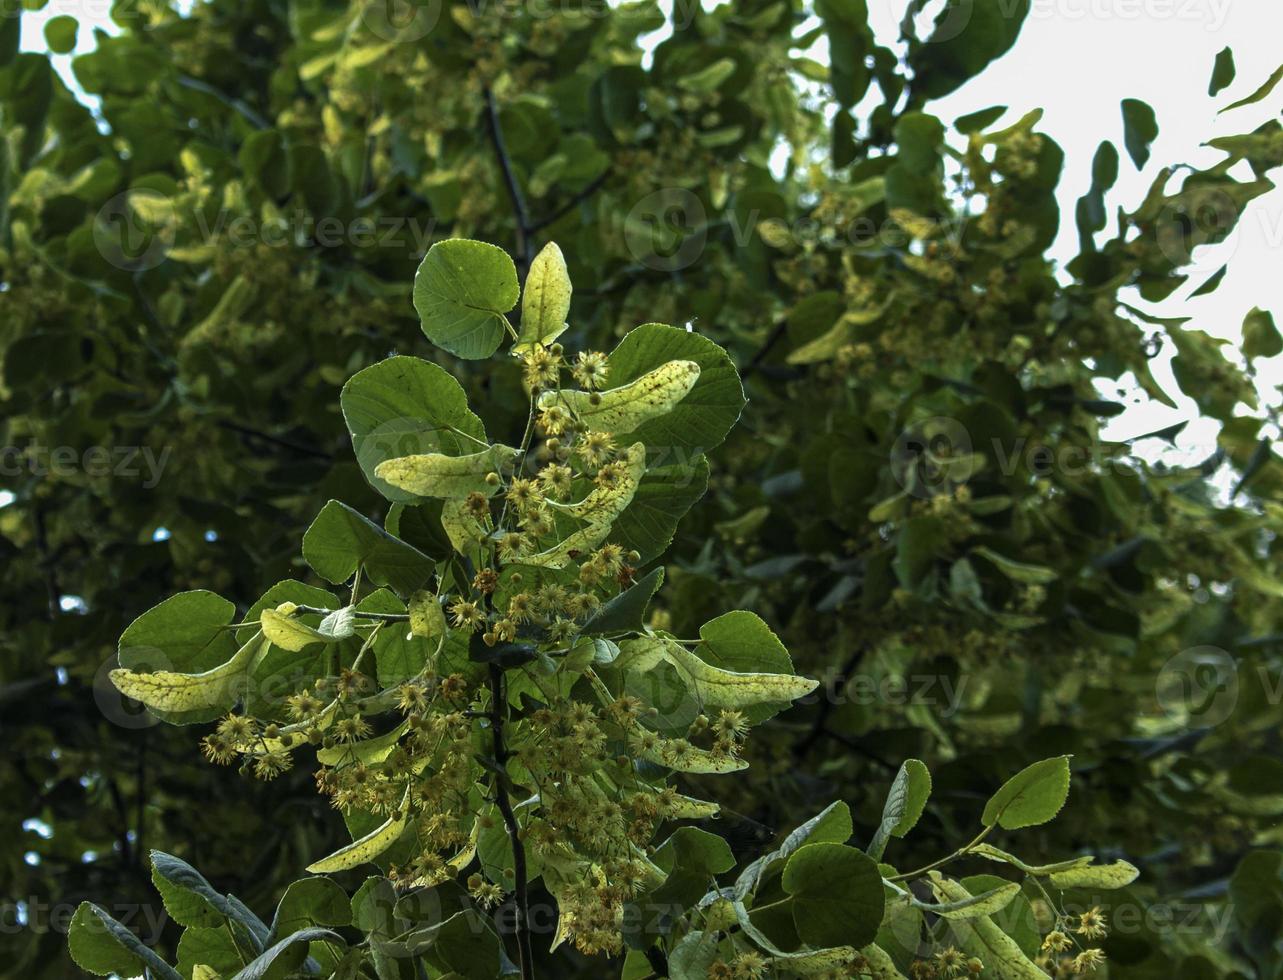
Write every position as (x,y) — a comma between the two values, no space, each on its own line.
(918,498)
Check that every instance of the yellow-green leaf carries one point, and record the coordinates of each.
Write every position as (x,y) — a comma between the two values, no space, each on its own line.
(427,618)
(972,906)
(559,555)
(997,854)
(604,504)
(689,808)
(165,690)
(546,300)
(879,963)
(622,410)
(1119,874)
(729,689)
(460,526)
(680,756)
(370,751)
(438,475)
(368,847)
(982,938)
(285,631)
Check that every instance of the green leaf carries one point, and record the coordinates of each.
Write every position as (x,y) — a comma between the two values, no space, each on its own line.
(832,825)
(1260,336)
(1222,72)
(626,612)
(545,302)
(838,896)
(60,34)
(258,967)
(977,122)
(904,805)
(965,39)
(102,946)
(398,653)
(311,902)
(691,958)
(185,633)
(210,947)
(427,618)
(662,499)
(462,291)
(1140,129)
(1015,570)
(740,641)
(1032,796)
(691,858)
(404,406)
(340,540)
(1261,93)
(189,899)
(700,421)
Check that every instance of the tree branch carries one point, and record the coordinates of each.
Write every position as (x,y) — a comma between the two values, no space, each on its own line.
(299,448)
(493,127)
(772,338)
(573,203)
(525,951)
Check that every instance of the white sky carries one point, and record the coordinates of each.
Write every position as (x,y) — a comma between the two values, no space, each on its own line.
(1077,59)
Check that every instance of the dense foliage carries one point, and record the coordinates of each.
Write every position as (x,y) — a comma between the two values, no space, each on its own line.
(917,499)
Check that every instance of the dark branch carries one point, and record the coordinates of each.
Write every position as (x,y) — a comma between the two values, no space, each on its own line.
(249,433)
(818,727)
(573,203)
(523,248)
(772,338)
(657,960)
(525,950)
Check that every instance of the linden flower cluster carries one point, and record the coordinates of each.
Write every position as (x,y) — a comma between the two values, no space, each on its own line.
(949,963)
(593,806)
(1063,955)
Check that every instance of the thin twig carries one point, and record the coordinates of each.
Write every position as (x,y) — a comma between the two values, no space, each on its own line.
(593,187)
(818,728)
(772,338)
(252,117)
(523,249)
(525,950)
(274,440)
